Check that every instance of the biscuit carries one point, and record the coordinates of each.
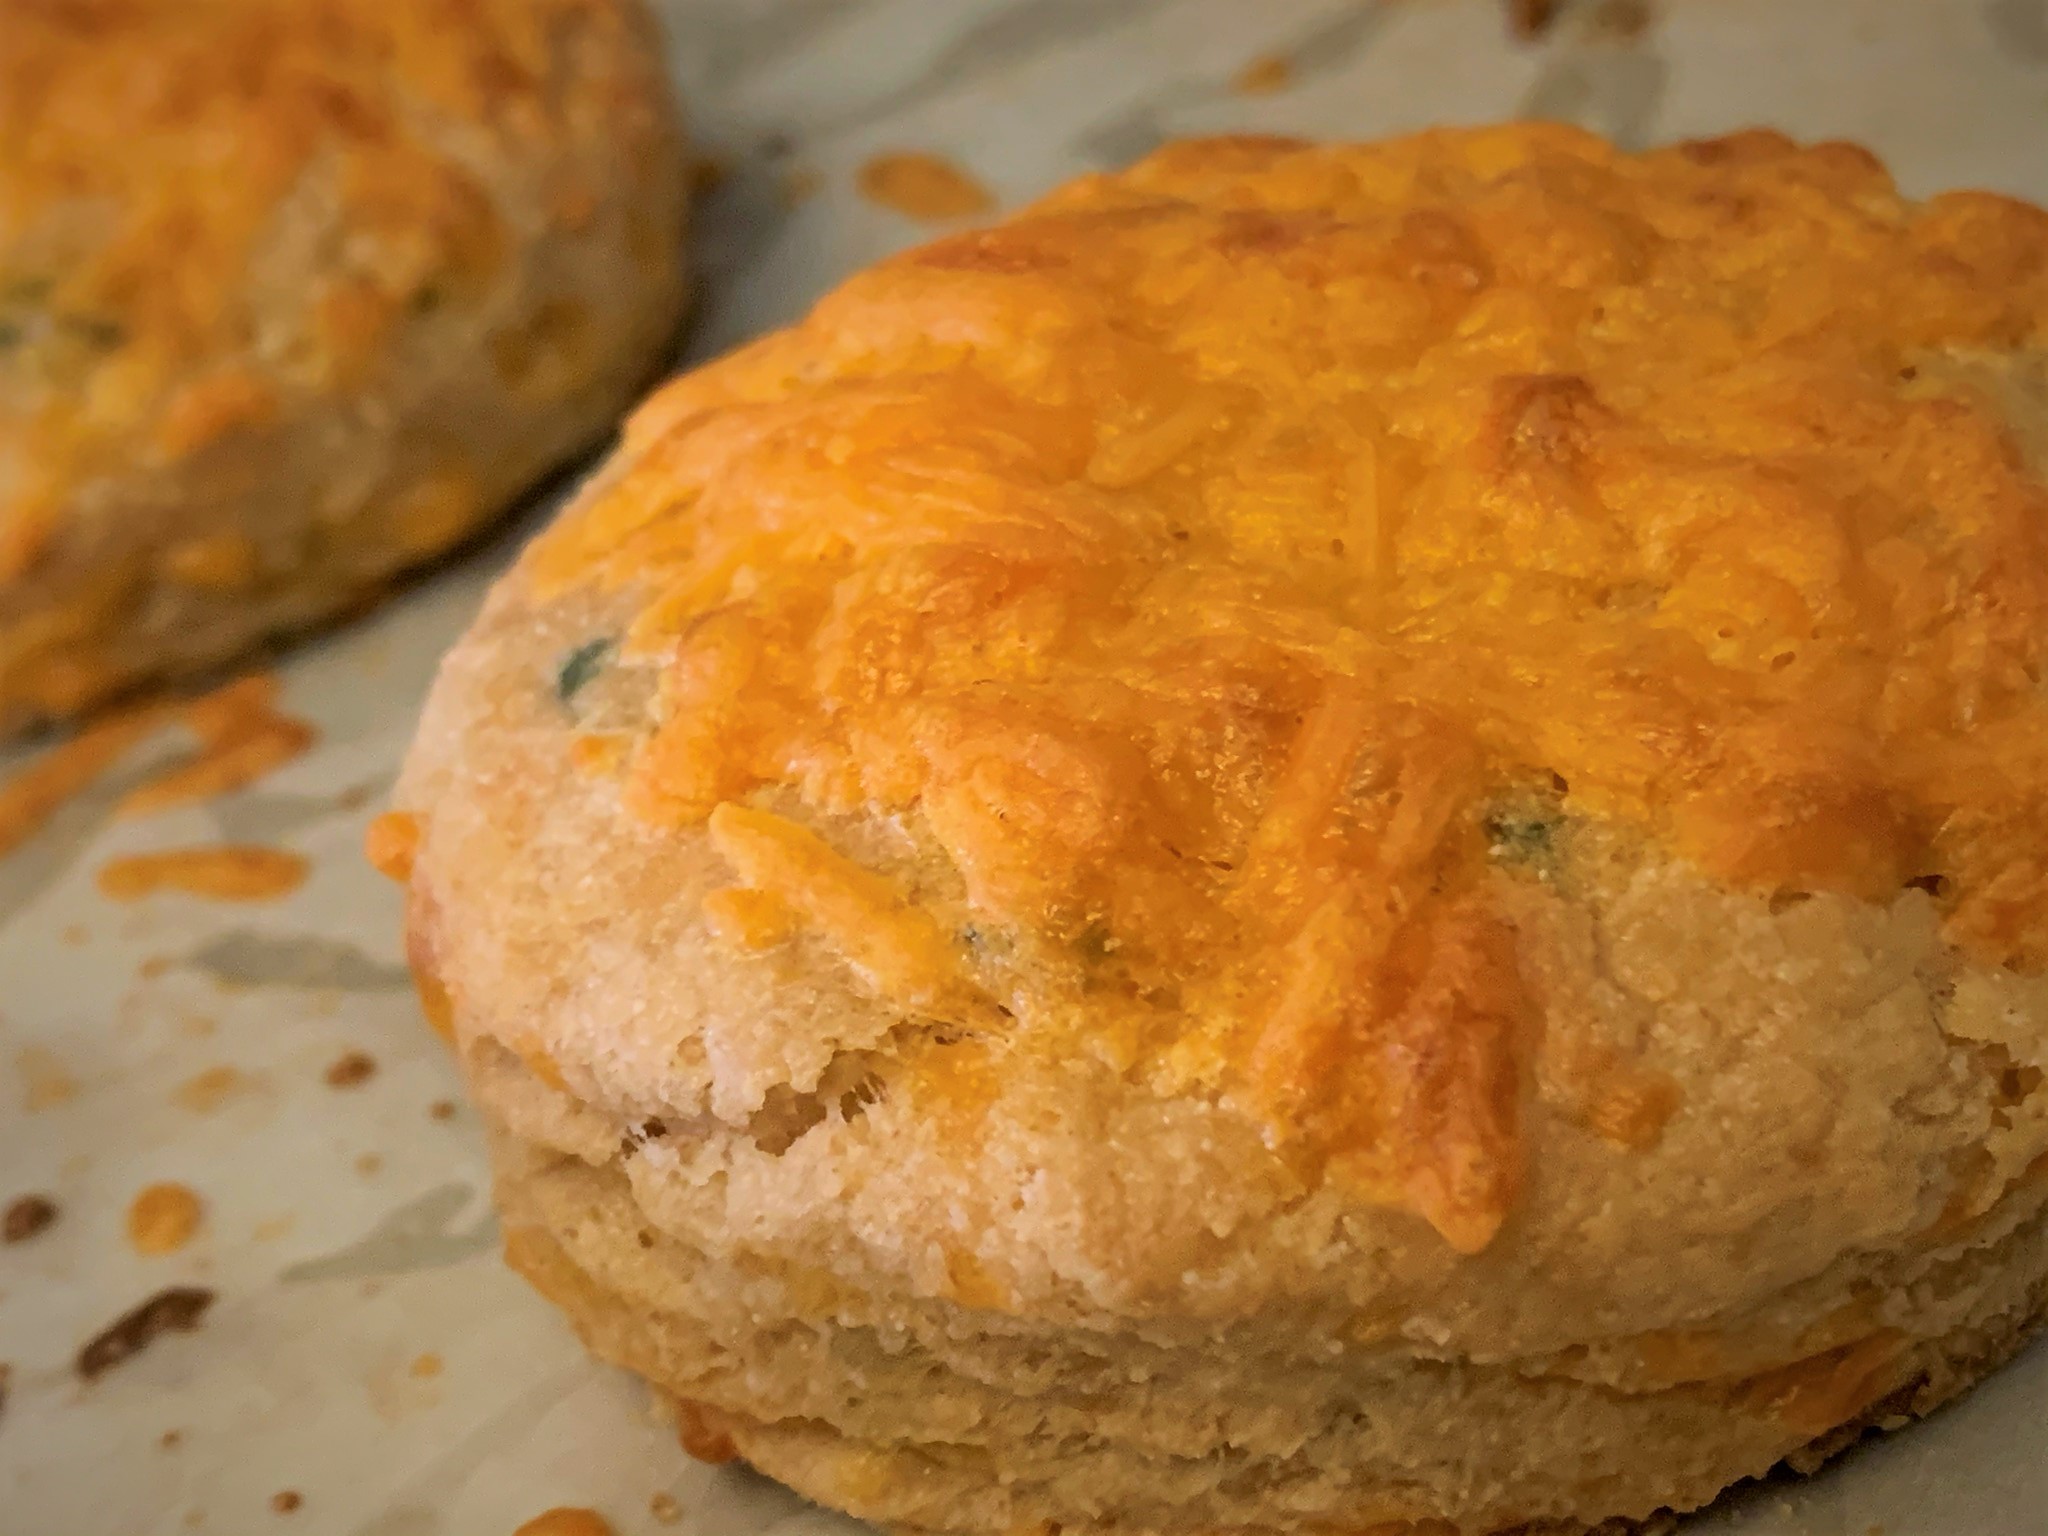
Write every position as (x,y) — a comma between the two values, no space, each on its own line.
(1320,838)
(294,298)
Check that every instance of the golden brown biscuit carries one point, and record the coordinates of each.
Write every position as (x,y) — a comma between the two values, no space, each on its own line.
(1319,839)
(294,297)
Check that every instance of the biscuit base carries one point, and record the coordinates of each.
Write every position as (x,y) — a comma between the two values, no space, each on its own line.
(868,1417)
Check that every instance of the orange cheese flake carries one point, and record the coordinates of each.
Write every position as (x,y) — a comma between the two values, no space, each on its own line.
(1827,1391)
(748,919)
(896,946)
(209,408)
(37,792)
(162,1219)
(922,186)
(390,843)
(1192,559)
(242,736)
(701,1433)
(1264,75)
(231,872)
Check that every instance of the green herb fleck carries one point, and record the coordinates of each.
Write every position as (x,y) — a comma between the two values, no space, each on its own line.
(581,665)
(1523,834)
(95,330)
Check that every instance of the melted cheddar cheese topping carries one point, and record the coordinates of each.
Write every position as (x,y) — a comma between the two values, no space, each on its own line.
(1195,557)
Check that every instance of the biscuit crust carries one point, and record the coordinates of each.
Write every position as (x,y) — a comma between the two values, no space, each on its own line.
(1307,810)
(292,299)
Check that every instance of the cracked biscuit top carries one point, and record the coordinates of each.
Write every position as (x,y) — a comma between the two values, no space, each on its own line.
(1217,582)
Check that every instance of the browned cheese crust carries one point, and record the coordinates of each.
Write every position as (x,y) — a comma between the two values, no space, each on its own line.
(1320,837)
(293,297)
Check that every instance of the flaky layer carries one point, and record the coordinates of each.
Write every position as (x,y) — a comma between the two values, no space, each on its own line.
(947,1419)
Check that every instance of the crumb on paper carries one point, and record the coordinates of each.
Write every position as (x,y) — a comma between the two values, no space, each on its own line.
(197,1026)
(369,1164)
(228,872)
(45,1083)
(442,1109)
(75,934)
(271,1228)
(204,1092)
(6,1374)
(665,1509)
(1621,21)
(799,185)
(349,1069)
(922,186)
(567,1522)
(1264,75)
(708,172)
(170,1439)
(27,1216)
(1530,19)
(162,1219)
(154,966)
(242,736)
(176,1310)
(285,1500)
(425,1366)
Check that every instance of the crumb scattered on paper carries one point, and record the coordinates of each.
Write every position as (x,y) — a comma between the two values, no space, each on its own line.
(176,1310)
(229,872)
(286,1500)
(567,1522)
(349,1069)
(1530,19)
(708,173)
(204,1092)
(426,1366)
(1263,76)
(665,1509)
(162,1219)
(922,186)
(45,1083)
(27,1216)
(242,736)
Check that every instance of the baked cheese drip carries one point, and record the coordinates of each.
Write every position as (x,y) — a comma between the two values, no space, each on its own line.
(171,172)
(1200,553)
